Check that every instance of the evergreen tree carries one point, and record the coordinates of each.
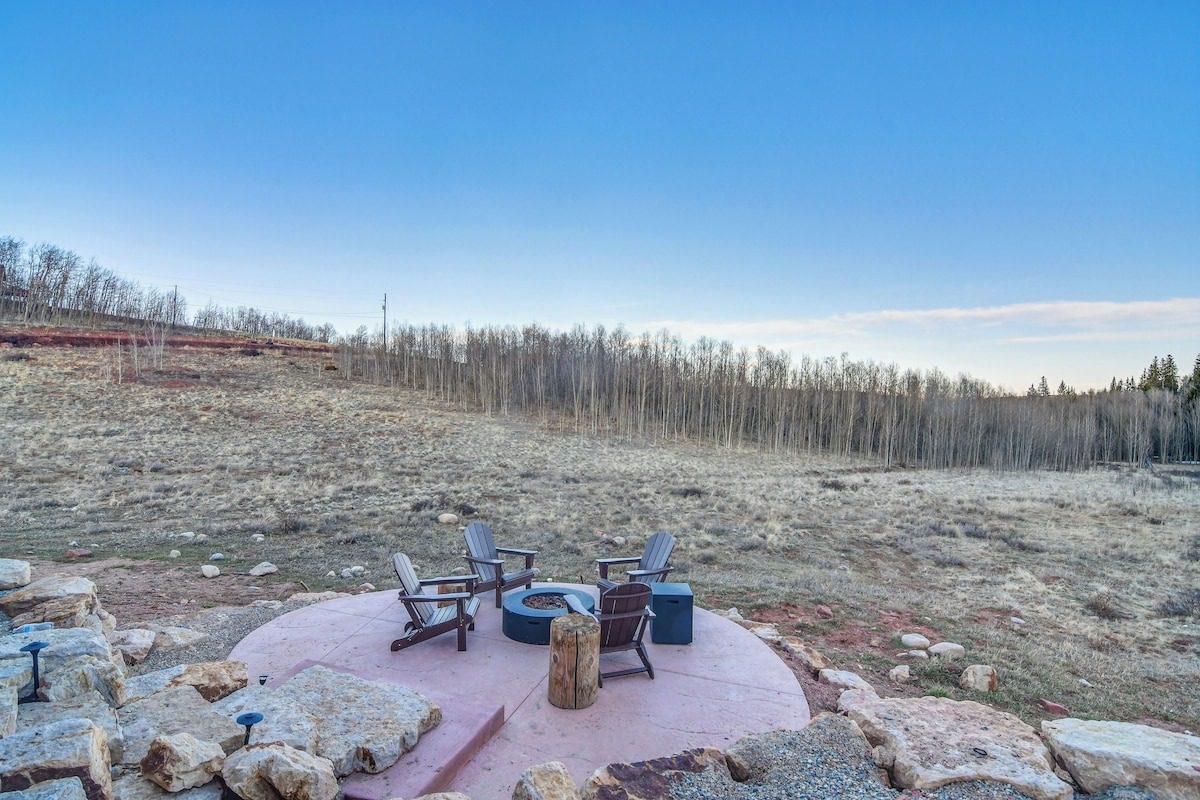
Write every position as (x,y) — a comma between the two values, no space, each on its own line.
(1170,374)
(1043,388)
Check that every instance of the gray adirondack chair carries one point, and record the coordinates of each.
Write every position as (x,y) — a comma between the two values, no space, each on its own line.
(427,619)
(484,558)
(652,563)
(623,614)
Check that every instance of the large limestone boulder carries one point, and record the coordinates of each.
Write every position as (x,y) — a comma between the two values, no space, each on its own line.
(181,761)
(166,636)
(813,659)
(90,706)
(61,789)
(13,574)
(829,757)
(77,661)
(274,771)
(15,678)
(362,726)
(1103,754)
(843,679)
(65,600)
(549,781)
(73,748)
(134,644)
(929,742)
(284,721)
(178,709)
(213,679)
(443,796)
(654,779)
(132,786)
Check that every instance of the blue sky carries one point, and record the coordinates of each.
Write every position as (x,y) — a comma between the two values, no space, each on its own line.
(1004,189)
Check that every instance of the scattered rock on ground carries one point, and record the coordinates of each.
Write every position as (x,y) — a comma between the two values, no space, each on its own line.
(947,650)
(824,612)
(13,573)
(550,781)
(1052,707)
(651,780)
(1100,755)
(210,571)
(731,614)
(274,771)
(979,678)
(844,679)
(929,741)
(166,636)
(181,761)
(916,654)
(900,674)
(448,519)
(765,631)
(265,568)
(914,641)
(90,706)
(174,554)
(178,709)
(72,748)
(806,654)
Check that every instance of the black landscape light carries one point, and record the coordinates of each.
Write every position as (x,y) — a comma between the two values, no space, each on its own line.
(33,648)
(249,719)
(262,680)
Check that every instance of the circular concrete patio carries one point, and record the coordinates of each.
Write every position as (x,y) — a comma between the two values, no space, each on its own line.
(496,719)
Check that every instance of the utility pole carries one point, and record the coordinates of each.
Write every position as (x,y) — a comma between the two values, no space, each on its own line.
(385,322)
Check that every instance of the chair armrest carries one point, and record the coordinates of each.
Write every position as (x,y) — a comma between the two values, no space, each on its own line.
(575,605)
(643,573)
(641,612)
(445,579)
(516,551)
(602,564)
(491,562)
(435,598)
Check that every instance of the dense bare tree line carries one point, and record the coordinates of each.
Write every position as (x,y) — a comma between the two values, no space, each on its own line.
(658,386)
(44,284)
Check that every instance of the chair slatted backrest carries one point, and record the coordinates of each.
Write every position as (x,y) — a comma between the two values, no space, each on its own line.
(480,544)
(625,598)
(412,586)
(657,554)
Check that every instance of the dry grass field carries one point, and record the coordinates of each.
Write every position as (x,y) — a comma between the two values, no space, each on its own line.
(1102,566)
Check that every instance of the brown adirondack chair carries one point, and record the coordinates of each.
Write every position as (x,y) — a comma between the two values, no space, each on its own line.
(652,563)
(484,558)
(624,612)
(427,619)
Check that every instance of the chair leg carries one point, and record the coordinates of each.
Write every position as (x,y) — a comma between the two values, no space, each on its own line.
(462,637)
(641,651)
(499,596)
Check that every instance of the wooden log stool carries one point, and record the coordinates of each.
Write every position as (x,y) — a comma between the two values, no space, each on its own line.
(574,661)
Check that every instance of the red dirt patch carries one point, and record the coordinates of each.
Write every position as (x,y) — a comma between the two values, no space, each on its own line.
(137,591)
(76,337)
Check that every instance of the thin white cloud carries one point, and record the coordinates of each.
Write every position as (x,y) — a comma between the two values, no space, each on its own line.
(1100,320)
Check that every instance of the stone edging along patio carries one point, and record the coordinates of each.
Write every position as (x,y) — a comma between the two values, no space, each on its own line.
(496,718)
